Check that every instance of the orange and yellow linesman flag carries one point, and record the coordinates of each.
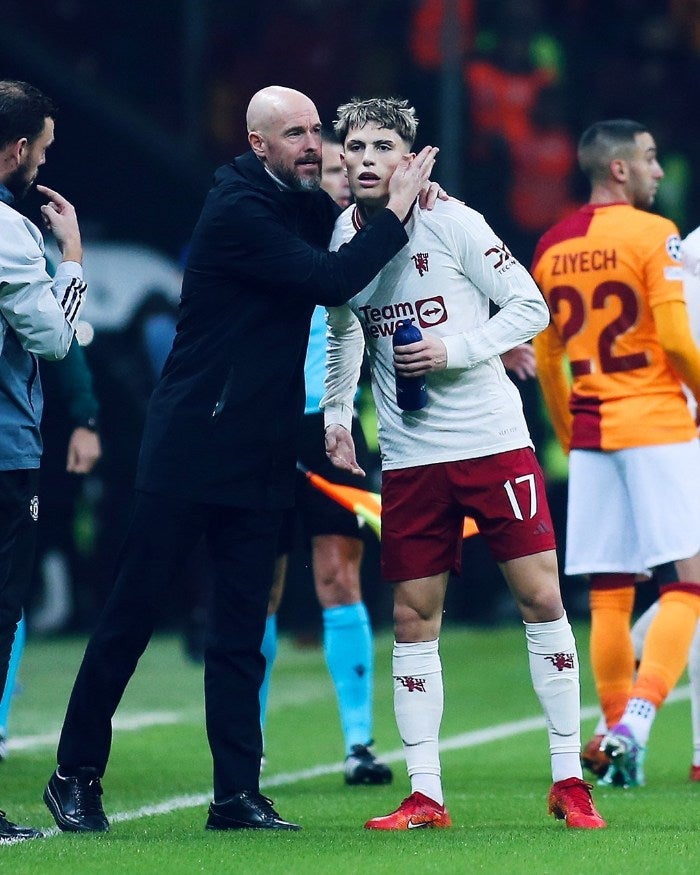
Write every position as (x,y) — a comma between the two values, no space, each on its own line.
(367,505)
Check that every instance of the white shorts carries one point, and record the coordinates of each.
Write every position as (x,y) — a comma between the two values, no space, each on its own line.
(631,510)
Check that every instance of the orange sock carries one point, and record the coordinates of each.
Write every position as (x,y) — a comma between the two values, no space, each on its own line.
(667,643)
(612,653)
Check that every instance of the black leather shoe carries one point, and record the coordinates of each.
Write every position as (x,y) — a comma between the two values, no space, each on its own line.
(11,833)
(246,810)
(75,801)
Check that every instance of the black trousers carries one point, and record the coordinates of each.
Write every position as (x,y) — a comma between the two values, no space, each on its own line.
(162,532)
(18,524)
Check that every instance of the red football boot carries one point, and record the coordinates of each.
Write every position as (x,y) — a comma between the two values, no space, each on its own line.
(415,812)
(571,801)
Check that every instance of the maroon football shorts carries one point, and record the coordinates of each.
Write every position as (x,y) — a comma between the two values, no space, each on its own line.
(423,512)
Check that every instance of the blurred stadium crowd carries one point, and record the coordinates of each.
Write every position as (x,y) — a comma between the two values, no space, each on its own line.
(156,93)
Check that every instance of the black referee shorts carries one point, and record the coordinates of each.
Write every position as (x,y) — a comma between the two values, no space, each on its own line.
(314,512)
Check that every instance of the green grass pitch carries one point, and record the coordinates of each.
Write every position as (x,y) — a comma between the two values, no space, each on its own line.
(495,772)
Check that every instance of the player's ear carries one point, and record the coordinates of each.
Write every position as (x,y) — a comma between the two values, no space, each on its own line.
(618,170)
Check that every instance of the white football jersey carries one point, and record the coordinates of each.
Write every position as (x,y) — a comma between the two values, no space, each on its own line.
(443,279)
(690,253)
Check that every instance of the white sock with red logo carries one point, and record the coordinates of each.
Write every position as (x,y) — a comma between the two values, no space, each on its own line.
(418,703)
(555,678)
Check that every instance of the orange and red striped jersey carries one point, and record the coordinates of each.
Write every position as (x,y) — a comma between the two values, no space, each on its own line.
(602,272)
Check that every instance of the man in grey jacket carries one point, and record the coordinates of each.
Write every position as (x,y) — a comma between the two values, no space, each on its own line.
(37,318)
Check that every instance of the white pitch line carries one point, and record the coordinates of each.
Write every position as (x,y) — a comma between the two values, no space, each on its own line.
(125,723)
(458,742)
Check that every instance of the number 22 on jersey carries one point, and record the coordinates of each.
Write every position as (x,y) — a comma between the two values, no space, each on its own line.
(613,311)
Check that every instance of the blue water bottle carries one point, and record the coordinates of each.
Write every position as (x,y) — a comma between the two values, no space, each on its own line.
(411,392)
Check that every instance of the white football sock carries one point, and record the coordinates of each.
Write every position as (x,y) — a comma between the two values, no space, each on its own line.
(638,718)
(555,678)
(418,704)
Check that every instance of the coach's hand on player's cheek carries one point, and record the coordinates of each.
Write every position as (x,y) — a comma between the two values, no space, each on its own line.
(416,359)
(430,194)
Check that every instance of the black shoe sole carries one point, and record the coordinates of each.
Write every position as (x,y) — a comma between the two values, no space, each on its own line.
(62,822)
(220,823)
(368,779)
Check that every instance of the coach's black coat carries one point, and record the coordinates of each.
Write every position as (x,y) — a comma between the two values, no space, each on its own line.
(223,420)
